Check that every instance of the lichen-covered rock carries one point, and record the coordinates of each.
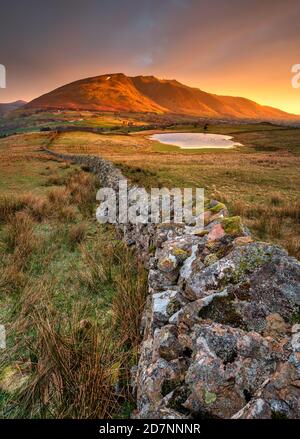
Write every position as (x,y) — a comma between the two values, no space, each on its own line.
(275,326)
(228,366)
(168,264)
(242,263)
(279,396)
(239,354)
(166,342)
(217,232)
(163,305)
(210,259)
(233,226)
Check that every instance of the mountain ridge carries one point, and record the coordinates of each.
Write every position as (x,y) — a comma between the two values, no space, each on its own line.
(118,92)
(10,106)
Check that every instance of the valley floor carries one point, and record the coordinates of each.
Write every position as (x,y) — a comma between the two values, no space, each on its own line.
(260,181)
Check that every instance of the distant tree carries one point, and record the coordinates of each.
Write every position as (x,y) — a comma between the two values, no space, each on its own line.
(206,127)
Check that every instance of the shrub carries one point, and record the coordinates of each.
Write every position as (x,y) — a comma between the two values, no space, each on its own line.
(66,213)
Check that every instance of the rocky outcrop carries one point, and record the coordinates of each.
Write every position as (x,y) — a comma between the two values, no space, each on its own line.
(221,328)
(220,338)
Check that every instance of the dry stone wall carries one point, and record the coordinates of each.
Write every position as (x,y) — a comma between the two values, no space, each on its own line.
(221,327)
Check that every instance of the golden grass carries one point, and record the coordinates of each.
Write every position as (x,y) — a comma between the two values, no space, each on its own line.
(72,324)
(75,374)
(78,367)
(77,233)
(9,205)
(262,187)
(18,233)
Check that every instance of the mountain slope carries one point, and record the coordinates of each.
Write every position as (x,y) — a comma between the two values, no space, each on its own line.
(179,98)
(118,92)
(6,108)
(106,93)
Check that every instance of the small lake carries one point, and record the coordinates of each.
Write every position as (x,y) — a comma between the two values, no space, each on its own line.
(196,140)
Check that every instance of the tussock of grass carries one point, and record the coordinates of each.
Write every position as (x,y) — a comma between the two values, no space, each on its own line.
(129,301)
(12,277)
(82,190)
(10,205)
(77,233)
(75,371)
(18,233)
(276,199)
(56,180)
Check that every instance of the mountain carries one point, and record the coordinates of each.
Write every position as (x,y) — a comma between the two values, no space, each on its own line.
(179,98)
(6,108)
(118,92)
(115,92)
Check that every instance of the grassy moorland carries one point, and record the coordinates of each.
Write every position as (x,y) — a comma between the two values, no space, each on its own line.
(71,293)
(259,181)
(22,121)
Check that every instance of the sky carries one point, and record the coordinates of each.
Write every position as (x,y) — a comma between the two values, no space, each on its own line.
(238,48)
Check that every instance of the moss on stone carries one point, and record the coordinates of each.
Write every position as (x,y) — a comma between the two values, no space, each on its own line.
(206,203)
(201,233)
(180,254)
(152,248)
(223,251)
(222,310)
(232,225)
(210,245)
(217,208)
(173,306)
(295,318)
(210,259)
(249,263)
(209,397)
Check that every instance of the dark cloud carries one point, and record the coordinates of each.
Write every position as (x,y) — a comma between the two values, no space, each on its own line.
(47,43)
